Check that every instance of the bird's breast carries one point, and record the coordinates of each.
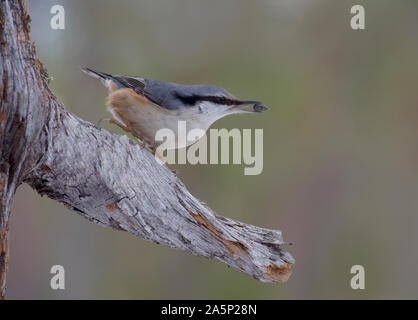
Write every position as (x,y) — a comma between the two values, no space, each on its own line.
(145,119)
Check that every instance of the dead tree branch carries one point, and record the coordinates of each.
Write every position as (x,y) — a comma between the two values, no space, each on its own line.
(106,178)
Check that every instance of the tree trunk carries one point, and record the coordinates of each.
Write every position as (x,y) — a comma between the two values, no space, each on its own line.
(107,178)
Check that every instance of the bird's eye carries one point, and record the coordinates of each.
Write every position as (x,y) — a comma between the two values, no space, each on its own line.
(222,100)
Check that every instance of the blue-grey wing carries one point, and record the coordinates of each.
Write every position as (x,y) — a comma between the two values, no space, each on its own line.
(159,92)
(171,95)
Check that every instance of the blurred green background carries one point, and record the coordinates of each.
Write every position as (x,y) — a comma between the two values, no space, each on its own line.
(340,145)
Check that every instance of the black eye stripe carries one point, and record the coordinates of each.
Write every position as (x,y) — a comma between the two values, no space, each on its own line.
(191,100)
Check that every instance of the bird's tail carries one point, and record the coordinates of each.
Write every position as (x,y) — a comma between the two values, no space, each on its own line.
(107,79)
(95,74)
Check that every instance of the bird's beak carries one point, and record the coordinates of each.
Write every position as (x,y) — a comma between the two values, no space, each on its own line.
(243,106)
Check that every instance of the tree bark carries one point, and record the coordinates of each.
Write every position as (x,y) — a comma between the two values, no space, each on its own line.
(107,178)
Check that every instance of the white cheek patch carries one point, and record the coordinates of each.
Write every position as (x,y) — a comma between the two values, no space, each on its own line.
(212,111)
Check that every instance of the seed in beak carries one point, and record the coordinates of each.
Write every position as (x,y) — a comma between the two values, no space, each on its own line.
(258,107)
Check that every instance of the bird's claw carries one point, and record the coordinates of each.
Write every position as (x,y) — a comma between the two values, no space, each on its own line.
(101,120)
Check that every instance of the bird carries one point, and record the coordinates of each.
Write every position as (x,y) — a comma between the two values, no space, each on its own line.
(144,106)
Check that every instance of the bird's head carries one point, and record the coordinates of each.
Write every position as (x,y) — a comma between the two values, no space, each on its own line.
(217,102)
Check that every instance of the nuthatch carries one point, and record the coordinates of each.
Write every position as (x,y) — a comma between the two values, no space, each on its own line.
(144,106)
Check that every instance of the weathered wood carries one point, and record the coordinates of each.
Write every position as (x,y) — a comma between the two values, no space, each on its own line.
(24,110)
(107,178)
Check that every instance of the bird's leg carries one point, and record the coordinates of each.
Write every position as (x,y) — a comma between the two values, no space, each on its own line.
(150,146)
(144,142)
(127,129)
(101,120)
(114,122)
(120,125)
